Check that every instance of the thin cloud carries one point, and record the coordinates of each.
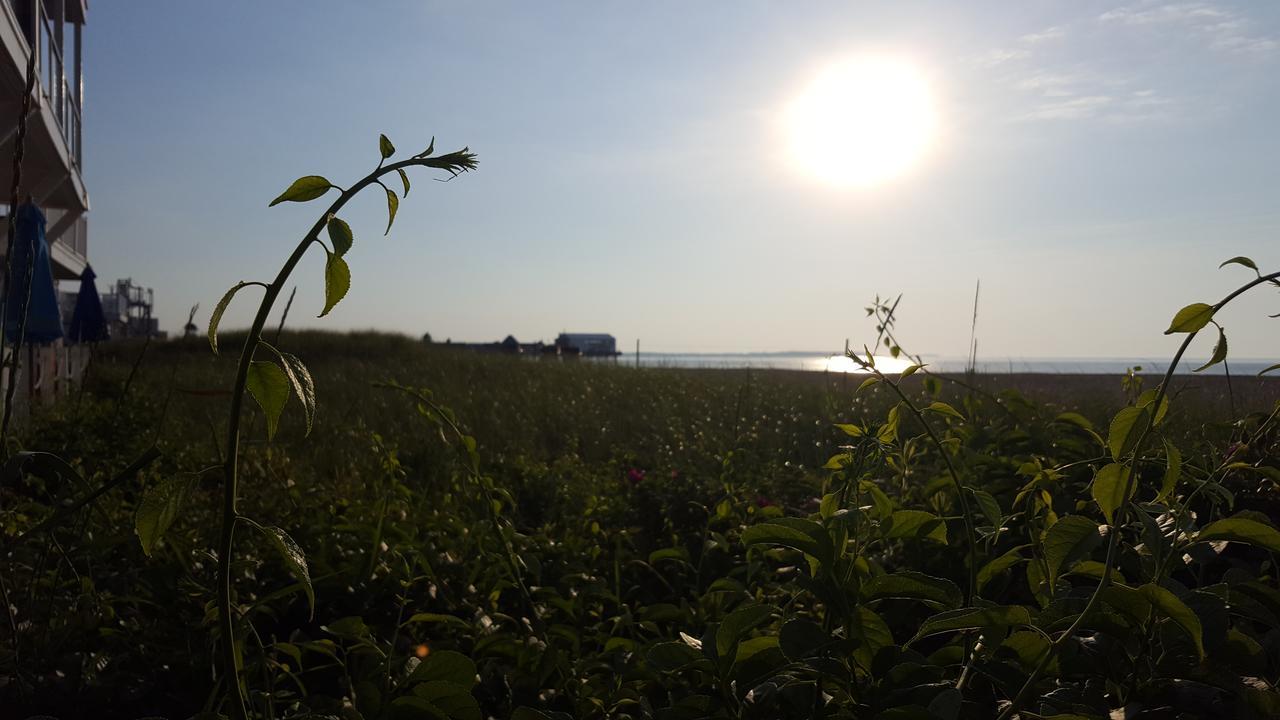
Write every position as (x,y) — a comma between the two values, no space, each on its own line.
(1056,32)
(1089,106)
(1223,30)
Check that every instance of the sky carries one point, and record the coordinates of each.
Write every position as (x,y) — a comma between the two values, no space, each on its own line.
(1092,164)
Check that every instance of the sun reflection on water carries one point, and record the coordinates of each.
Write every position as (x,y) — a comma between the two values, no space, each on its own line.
(884,363)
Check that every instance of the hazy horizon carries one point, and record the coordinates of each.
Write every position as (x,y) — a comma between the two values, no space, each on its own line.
(1092,163)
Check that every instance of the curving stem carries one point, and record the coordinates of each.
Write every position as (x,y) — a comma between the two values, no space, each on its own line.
(231,669)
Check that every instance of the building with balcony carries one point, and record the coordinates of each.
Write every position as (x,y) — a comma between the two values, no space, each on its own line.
(51,174)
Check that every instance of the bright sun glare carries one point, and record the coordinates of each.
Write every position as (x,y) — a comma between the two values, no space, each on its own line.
(862,122)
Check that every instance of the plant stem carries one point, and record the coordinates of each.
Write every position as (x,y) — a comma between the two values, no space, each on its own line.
(1113,540)
(231,464)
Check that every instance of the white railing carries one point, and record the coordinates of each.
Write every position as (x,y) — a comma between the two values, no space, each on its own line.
(62,97)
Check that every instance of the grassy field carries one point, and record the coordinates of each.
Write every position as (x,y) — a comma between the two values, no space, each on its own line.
(551,570)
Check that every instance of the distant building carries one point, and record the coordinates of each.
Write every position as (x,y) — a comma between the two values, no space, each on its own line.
(587,344)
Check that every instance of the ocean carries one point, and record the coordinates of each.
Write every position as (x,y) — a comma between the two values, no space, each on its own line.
(827,362)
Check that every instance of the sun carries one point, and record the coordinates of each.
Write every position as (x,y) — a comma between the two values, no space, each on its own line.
(862,122)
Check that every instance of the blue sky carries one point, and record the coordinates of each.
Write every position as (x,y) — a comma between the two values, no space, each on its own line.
(1094,163)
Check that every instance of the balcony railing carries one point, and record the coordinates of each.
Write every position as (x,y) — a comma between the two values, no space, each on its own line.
(44,25)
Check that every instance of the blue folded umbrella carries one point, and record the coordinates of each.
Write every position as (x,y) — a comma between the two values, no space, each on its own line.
(88,323)
(44,319)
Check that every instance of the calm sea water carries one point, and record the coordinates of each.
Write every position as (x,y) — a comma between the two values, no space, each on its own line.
(820,362)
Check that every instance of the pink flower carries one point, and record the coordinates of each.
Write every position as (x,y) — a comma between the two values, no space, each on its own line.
(635,475)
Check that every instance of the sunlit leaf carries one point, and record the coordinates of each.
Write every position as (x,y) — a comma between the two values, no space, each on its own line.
(293,557)
(269,386)
(1241,260)
(303,189)
(385,147)
(1177,611)
(1070,539)
(1219,352)
(303,386)
(1190,319)
(944,409)
(1242,530)
(1109,489)
(218,310)
(1126,427)
(161,504)
(803,535)
(917,524)
(404,179)
(340,235)
(337,281)
(393,204)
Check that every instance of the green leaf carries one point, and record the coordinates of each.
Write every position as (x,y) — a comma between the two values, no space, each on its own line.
(303,386)
(340,235)
(1126,427)
(385,147)
(393,204)
(269,386)
(1219,352)
(1172,472)
(303,189)
(867,383)
(999,565)
(404,179)
(917,524)
(944,409)
(972,619)
(438,619)
(871,632)
(337,281)
(990,507)
(1190,319)
(445,666)
(804,535)
(430,149)
(221,308)
(914,586)
(1070,539)
(1240,260)
(293,558)
(671,656)
(801,638)
(1177,611)
(850,429)
(736,625)
(1109,489)
(909,372)
(160,505)
(1242,530)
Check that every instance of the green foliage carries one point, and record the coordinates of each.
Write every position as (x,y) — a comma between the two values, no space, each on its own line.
(337,281)
(1191,318)
(306,188)
(269,387)
(339,235)
(161,505)
(589,541)
(216,317)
